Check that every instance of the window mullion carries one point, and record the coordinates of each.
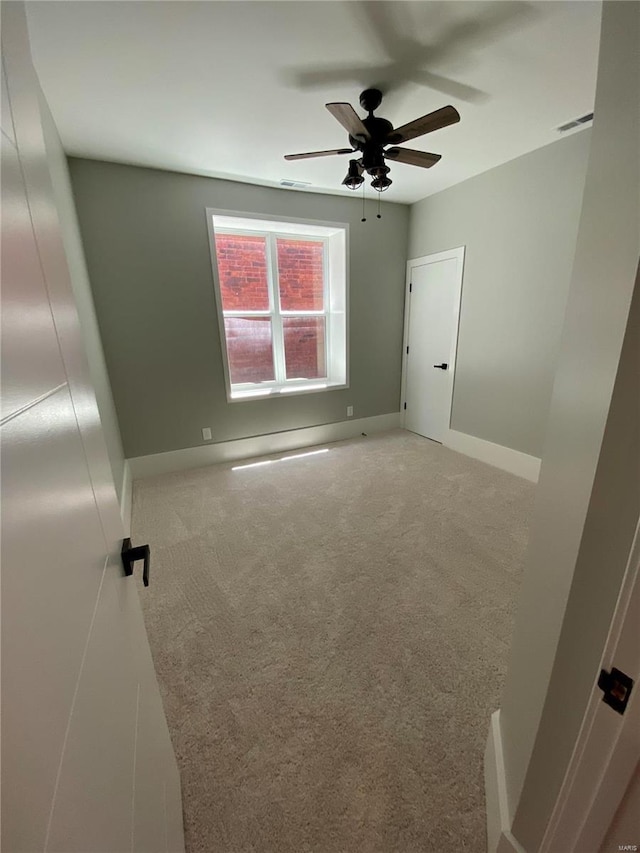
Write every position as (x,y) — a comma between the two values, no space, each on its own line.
(276,323)
(326,305)
(237,313)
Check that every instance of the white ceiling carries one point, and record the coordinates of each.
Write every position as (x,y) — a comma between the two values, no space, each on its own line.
(219,88)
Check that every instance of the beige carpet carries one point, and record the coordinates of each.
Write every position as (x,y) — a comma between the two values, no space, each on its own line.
(330,634)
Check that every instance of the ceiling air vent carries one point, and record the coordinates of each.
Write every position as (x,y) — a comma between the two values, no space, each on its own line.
(296,184)
(575,123)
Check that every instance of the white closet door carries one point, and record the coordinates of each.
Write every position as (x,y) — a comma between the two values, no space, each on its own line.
(434,303)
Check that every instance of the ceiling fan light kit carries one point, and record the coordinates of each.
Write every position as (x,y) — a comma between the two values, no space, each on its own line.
(381,184)
(354,177)
(372,135)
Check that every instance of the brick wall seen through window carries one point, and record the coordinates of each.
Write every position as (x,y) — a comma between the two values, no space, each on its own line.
(243,272)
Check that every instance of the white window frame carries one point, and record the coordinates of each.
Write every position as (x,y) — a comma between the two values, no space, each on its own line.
(334,238)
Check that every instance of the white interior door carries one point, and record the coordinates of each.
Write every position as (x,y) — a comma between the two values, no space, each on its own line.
(431,334)
(87,763)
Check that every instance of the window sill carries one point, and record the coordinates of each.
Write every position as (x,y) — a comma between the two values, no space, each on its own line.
(264,393)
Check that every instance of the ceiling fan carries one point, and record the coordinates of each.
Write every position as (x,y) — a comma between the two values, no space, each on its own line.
(371,136)
(403,58)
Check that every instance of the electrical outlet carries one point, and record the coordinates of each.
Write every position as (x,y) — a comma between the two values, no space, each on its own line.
(206,433)
(349,411)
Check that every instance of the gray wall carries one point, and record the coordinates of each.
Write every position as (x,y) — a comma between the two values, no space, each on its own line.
(145,239)
(519,224)
(588,496)
(61,185)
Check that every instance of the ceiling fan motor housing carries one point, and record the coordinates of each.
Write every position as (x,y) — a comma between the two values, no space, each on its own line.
(379,131)
(372,148)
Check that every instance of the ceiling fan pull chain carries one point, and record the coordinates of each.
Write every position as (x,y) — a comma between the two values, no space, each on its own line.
(378,215)
(364,218)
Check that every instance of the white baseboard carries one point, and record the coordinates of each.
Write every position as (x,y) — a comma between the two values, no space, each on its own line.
(506,458)
(492,779)
(126,498)
(259,445)
(499,837)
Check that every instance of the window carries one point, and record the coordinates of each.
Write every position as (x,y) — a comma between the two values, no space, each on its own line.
(281,293)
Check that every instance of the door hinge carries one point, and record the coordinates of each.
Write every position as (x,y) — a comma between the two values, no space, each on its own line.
(407,350)
(616,687)
(405,405)
(410,287)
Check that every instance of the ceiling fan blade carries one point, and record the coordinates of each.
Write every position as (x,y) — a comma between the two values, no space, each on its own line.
(406,58)
(327,75)
(426,124)
(493,20)
(309,154)
(388,23)
(412,157)
(387,78)
(349,119)
(461,91)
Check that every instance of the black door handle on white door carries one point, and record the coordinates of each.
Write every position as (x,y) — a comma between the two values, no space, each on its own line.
(131,555)
(442,366)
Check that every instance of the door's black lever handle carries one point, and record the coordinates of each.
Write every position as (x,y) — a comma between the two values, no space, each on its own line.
(442,366)
(131,555)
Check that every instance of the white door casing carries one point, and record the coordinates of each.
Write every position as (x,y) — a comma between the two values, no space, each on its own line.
(87,763)
(432,310)
(626,822)
(607,750)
